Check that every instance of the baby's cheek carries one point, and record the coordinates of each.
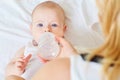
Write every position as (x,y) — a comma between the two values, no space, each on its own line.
(60,34)
(36,37)
(36,34)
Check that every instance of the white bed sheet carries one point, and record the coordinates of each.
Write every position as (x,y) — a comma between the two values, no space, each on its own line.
(15,18)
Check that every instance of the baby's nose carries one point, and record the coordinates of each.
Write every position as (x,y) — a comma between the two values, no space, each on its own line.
(48,29)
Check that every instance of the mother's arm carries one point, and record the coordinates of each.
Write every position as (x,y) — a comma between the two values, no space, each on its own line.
(58,69)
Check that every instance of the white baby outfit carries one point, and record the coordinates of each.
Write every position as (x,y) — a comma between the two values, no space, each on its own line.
(34,64)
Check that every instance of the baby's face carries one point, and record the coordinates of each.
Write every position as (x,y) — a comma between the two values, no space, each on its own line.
(47,20)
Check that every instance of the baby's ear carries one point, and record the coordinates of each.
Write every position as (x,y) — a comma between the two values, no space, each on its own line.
(65,28)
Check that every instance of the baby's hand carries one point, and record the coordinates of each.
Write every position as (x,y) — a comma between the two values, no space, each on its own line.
(17,66)
(21,63)
(41,59)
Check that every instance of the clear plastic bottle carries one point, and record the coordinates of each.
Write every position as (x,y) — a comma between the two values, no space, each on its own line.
(48,47)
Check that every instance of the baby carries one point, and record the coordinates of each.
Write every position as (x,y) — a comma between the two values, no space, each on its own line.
(46,17)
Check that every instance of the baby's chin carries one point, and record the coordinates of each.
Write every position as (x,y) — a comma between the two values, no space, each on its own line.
(37,39)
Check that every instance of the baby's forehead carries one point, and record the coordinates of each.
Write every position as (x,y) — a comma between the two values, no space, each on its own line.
(48,5)
(42,8)
(55,11)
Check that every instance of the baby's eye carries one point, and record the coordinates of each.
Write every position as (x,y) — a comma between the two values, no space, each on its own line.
(40,25)
(54,25)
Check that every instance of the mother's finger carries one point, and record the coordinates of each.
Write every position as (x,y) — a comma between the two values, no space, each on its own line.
(63,42)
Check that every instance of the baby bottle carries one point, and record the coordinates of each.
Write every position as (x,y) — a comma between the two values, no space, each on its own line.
(48,47)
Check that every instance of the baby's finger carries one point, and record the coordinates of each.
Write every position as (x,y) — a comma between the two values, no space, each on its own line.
(20,60)
(41,59)
(20,68)
(28,58)
(19,63)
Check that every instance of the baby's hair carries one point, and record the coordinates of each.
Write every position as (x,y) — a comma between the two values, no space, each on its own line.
(49,4)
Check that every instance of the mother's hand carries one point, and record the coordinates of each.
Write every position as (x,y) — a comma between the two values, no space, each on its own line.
(66,48)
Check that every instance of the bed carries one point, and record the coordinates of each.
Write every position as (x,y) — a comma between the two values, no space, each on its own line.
(83,31)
